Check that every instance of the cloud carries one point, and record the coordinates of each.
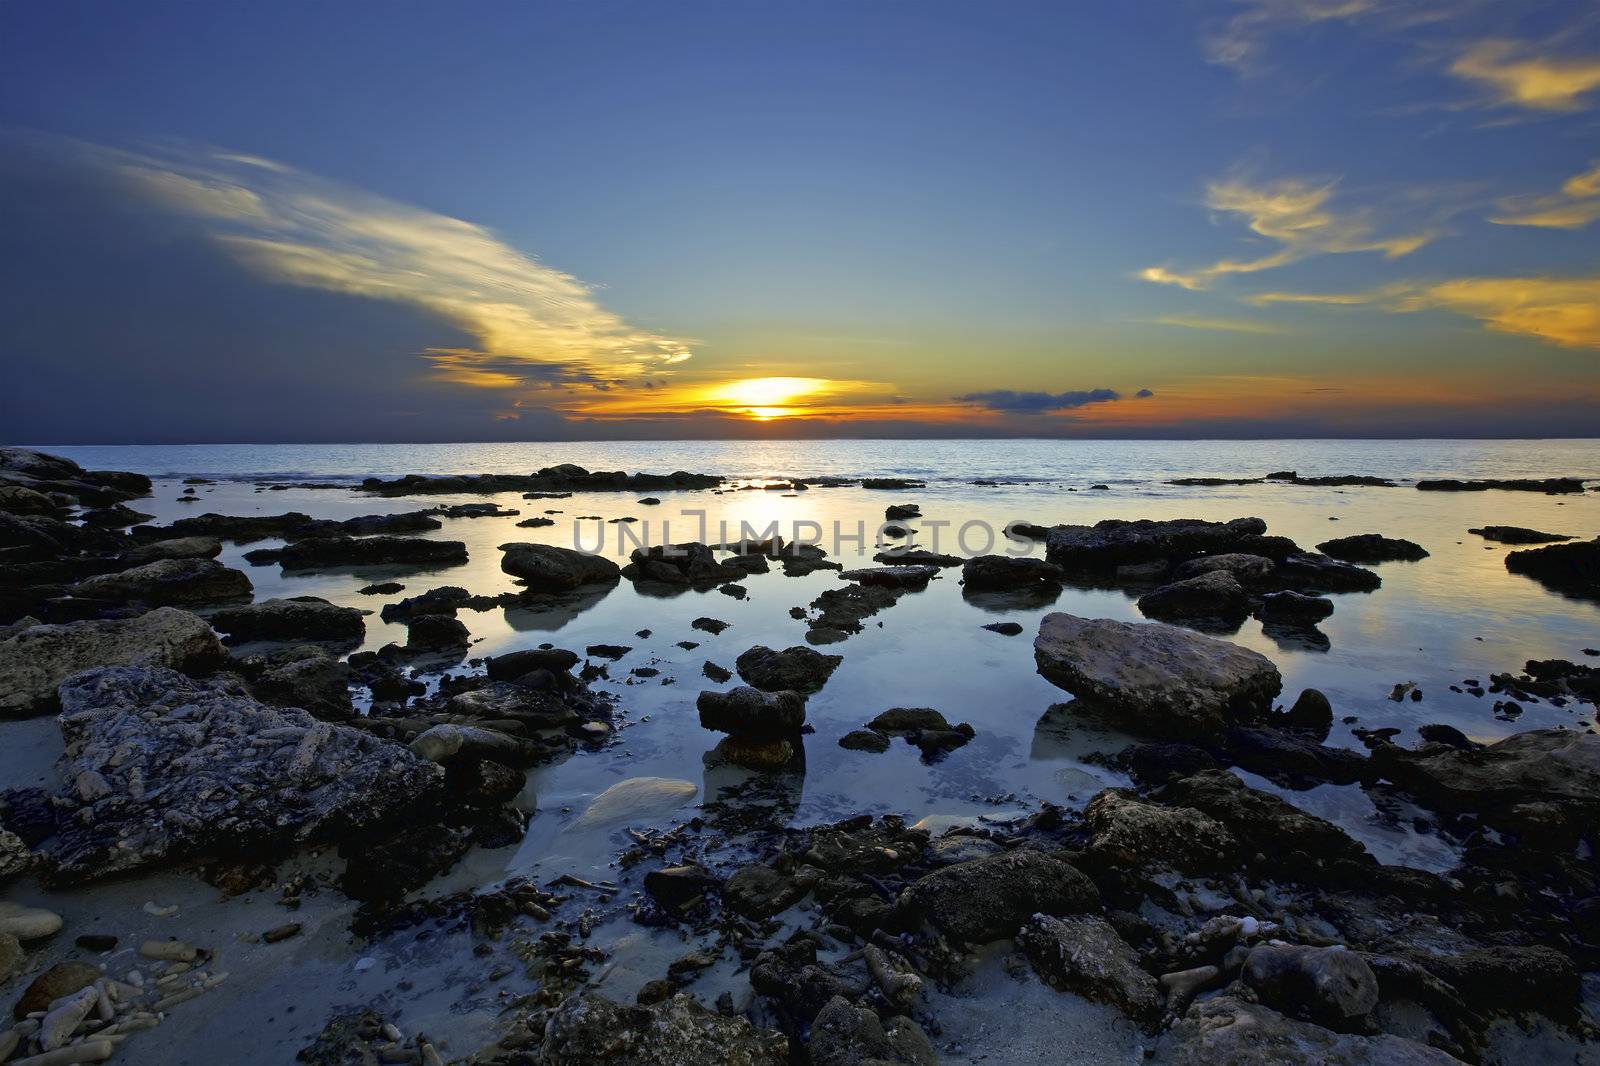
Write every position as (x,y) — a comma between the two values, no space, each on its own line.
(532,323)
(1574,207)
(1226,325)
(1242,41)
(1513,74)
(1012,402)
(1296,215)
(1560,311)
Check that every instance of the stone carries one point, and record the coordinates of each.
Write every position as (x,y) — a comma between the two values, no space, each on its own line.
(590,1030)
(1214,594)
(34,662)
(1246,569)
(1518,535)
(16,858)
(749,712)
(1287,838)
(62,979)
(1372,548)
(1559,767)
(547,568)
(1005,629)
(11,957)
(795,669)
(692,564)
(1131,832)
(1115,542)
(635,799)
(1296,608)
(1572,568)
(1227,1030)
(758,891)
(303,676)
(346,551)
(1331,986)
(449,742)
(1310,572)
(28,923)
(1001,572)
(989,899)
(167,582)
(846,1035)
(675,887)
(436,632)
(865,740)
(190,777)
(1084,955)
(298,618)
(1311,712)
(515,664)
(1156,677)
(174,548)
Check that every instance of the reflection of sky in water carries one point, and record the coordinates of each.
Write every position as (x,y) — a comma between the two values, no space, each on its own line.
(1456,615)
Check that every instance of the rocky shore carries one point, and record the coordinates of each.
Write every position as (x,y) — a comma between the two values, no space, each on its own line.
(259,746)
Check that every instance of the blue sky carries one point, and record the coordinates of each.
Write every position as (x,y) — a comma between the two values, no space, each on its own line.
(1309,217)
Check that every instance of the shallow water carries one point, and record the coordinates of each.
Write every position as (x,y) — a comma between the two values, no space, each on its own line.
(1455,615)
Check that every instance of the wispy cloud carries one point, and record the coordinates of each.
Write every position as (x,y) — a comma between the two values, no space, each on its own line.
(533,324)
(1224,325)
(1518,74)
(1297,216)
(1011,401)
(1242,41)
(1574,207)
(1559,311)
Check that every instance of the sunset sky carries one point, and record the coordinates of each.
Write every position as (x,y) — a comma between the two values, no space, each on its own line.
(422,221)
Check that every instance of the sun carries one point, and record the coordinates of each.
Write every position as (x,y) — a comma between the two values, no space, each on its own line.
(766,398)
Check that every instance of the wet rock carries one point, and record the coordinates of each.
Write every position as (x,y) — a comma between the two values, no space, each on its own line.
(1549,485)
(62,979)
(1115,542)
(515,664)
(1007,572)
(637,798)
(1309,572)
(451,742)
(757,753)
(11,957)
(386,868)
(674,887)
(796,669)
(167,582)
(1290,840)
(1311,712)
(242,529)
(1215,594)
(692,564)
(607,651)
(1086,956)
(713,672)
(1156,764)
(1246,569)
(904,556)
(590,1030)
(16,858)
(1292,759)
(861,845)
(1570,568)
(551,482)
(436,632)
(1518,535)
(1506,977)
(545,567)
(1005,629)
(342,551)
(1130,832)
(865,740)
(839,612)
(845,1035)
(924,728)
(1156,677)
(894,577)
(305,676)
(175,548)
(1295,608)
(188,778)
(896,512)
(1372,548)
(21,500)
(891,483)
(713,626)
(28,923)
(758,891)
(116,516)
(1228,1030)
(750,712)
(989,899)
(381,588)
(298,618)
(39,658)
(1331,986)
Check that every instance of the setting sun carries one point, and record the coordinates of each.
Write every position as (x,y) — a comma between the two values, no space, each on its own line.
(766,398)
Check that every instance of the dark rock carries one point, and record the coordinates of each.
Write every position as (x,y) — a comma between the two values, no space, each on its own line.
(1291,841)
(547,568)
(433,632)
(1215,594)
(1292,759)
(590,1030)
(387,868)
(550,482)
(1005,629)
(692,564)
(515,664)
(305,676)
(1008,572)
(1156,764)
(607,651)
(1115,542)
(989,899)
(176,548)
(676,886)
(1127,831)
(716,673)
(845,1035)
(797,669)
(865,740)
(1228,1030)
(1372,548)
(1570,568)
(1309,572)
(342,551)
(1518,535)
(758,891)
(899,577)
(62,979)
(167,582)
(116,516)
(1550,485)
(1246,569)
(382,588)
(1295,608)
(1085,955)
(1331,986)
(1311,712)
(750,712)
(713,626)
(300,618)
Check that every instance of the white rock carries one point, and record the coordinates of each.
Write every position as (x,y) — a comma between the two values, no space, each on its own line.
(28,923)
(636,798)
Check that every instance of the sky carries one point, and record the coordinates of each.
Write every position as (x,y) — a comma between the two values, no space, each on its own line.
(563,221)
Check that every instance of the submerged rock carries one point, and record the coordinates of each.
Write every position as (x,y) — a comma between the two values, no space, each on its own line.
(297,618)
(187,774)
(547,568)
(1159,678)
(39,658)
(1128,831)
(590,1030)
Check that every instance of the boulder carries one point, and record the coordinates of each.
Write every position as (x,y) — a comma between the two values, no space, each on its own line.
(1292,759)
(1228,1030)
(1287,838)
(796,669)
(1127,831)
(894,577)
(1311,712)
(297,618)
(1115,542)
(1571,568)
(449,743)
(1247,569)
(1310,572)
(515,664)
(194,770)
(167,582)
(749,712)
(845,1035)
(436,632)
(1518,535)
(590,1030)
(1157,677)
(989,899)
(1331,986)
(1294,608)
(547,568)
(1214,594)
(303,676)
(1084,955)
(1555,767)
(1002,572)
(39,658)
(175,548)
(316,552)
(1372,548)
(681,564)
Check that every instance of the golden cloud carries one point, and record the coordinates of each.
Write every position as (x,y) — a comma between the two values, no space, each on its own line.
(1574,207)
(1224,325)
(1515,76)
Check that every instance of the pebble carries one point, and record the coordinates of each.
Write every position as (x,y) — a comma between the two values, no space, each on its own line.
(156,910)
(282,932)
(168,950)
(28,923)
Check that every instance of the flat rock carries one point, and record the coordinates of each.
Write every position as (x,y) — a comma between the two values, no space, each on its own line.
(338,551)
(1001,572)
(1162,679)
(1372,548)
(636,799)
(39,658)
(1083,954)
(167,582)
(1560,767)
(175,548)
(547,568)
(1246,568)
(299,618)
(1228,1030)
(898,577)
(989,899)
(1115,542)
(186,774)
(1518,535)
(1310,572)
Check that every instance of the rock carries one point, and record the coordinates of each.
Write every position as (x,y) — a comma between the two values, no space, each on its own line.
(304,676)
(758,891)
(637,798)
(1159,678)
(11,957)
(1007,572)
(547,568)
(298,618)
(1290,840)
(1292,759)
(796,669)
(100,943)
(897,512)
(451,742)
(1085,955)
(1518,535)
(175,548)
(891,483)
(16,858)
(989,899)
(384,869)
(713,672)
(675,887)
(21,500)
(28,923)
(756,753)
(691,564)
(381,588)
(1129,831)
(436,632)
(749,712)
(1372,548)
(1570,568)
(1295,608)
(905,556)
(1115,542)
(167,582)
(1549,485)
(845,1035)
(551,482)
(1214,594)
(189,778)
(515,664)
(1309,572)
(116,516)
(865,740)
(894,577)
(38,659)
(1331,986)
(341,551)
(1227,1030)
(590,1030)
(1005,629)
(1311,712)
(1156,764)
(62,979)
(1505,978)
(1558,767)
(1246,569)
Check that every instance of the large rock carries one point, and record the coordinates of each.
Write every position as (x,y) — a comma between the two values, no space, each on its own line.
(680,564)
(303,676)
(1310,572)
(1212,595)
(1290,840)
(175,548)
(1372,548)
(1127,831)
(315,552)
(1331,986)
(1555,769)
(1115,542)
(796,669)
(1572,568)
(1159,678)
(161,768)
(844,1035)
(168,582)
(547,568)
(1226,1031)
(39,658)
(749,712)
(989,899)
(1247,569)
(1000,572)
(298,618)
(1519,535)
(590,1030)
(1085,955)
